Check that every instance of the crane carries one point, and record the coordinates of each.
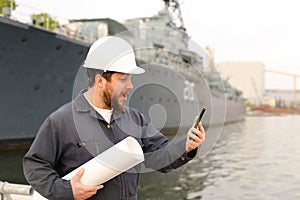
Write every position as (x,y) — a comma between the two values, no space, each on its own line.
(256,92)
(294,76)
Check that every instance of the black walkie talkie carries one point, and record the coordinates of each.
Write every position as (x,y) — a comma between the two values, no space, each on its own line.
(199,119)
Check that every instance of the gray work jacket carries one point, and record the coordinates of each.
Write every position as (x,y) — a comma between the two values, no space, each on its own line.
(76,133)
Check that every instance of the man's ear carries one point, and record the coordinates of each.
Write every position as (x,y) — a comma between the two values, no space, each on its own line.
(99,80)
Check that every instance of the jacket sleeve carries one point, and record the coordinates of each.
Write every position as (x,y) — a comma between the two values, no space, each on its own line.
(40,161)
(164,155)
(182,159)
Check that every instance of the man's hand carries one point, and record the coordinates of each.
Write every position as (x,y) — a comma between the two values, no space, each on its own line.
(195,137)
(80,191)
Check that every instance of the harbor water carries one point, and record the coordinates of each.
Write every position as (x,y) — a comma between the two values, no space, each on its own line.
(258,159)
(254,159)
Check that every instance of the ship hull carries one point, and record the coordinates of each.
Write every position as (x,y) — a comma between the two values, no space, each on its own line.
(37,70)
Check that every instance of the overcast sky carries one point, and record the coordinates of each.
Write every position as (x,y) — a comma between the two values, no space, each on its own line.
(237,30)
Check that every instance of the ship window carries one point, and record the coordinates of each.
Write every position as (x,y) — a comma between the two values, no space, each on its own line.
(24,40)
(102,29)
(36,87)
(58,47)
(158,46)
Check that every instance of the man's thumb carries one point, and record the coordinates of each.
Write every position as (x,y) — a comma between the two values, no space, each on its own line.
(195,121)
(79,174)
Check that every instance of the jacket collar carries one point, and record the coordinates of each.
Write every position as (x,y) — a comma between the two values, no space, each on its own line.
(81,104)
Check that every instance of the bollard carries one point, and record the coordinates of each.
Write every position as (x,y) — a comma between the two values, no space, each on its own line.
(6,189)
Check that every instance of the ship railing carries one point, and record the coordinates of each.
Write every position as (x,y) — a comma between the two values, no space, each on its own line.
(8,189)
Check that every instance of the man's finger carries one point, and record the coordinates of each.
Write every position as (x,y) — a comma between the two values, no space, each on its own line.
(79,174)
(201,128)
(192,133)
(195,121)
(196,136)
(93,188)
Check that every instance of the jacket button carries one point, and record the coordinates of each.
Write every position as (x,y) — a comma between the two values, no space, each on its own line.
(108,126)
(182,158)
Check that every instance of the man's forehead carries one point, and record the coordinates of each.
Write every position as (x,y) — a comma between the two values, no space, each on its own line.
(120,74)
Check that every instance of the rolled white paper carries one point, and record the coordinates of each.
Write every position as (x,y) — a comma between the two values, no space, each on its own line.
(109,164)
(112,162)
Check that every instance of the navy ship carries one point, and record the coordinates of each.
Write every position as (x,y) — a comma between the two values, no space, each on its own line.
(39,73)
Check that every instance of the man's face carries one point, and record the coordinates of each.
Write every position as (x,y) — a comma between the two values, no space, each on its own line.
(116,91)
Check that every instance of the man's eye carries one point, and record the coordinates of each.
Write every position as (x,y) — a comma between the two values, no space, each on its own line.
(123,79)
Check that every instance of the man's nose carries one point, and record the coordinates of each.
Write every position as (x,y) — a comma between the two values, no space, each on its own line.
(130,85)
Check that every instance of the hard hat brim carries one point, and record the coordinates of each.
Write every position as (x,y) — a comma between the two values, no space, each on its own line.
(132,70)
(135,70)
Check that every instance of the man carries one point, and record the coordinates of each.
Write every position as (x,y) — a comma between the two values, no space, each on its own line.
(96,120)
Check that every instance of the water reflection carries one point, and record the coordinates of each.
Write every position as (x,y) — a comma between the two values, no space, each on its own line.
(255,159)
(11,169)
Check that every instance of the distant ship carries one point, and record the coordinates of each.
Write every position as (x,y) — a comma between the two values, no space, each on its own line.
(38,69)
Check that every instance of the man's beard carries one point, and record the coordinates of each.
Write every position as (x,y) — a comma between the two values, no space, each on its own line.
(112,102)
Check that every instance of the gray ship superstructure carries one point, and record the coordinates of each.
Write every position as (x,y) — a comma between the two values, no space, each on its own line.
(38,69)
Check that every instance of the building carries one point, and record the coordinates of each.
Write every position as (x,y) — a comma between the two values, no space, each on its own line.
(247,77)
(283,98)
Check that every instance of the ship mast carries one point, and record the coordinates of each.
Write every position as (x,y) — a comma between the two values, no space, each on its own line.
(173,8)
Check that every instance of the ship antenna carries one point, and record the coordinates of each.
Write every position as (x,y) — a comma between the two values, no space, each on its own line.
(173,8)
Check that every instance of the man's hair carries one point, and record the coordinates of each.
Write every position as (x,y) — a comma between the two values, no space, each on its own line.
(91,73)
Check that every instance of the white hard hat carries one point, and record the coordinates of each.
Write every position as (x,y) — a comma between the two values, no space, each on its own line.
(112,53)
